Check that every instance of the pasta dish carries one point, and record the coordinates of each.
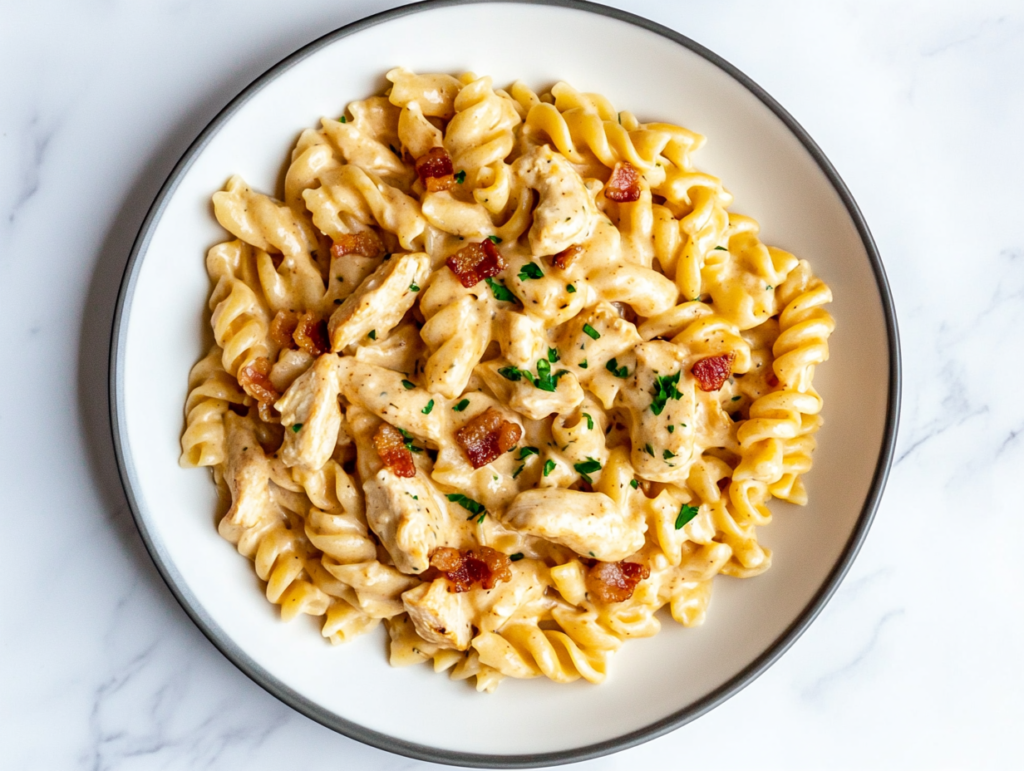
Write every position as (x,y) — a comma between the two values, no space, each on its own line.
(501,371)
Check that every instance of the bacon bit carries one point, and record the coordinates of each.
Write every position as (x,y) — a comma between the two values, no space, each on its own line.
(567,256)
(365,243)
(624,184)
(311,335)
(283,327)
(255,381)
(712,372)
(435,170)
(615,581)
(772,380)
(479,565)
(473,263)
(390,445)
(487,436)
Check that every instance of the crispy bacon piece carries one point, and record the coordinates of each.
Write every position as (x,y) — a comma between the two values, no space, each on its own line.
(473,263)
(712,372)
(390,445)
(255,381)
(567,256)
(283,327)
(365,243)
(615,581)
(624,184)
(435,170)
(311,335)
(487,436)
(480,566)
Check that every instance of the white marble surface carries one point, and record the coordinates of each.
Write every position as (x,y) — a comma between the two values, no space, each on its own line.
(916,663)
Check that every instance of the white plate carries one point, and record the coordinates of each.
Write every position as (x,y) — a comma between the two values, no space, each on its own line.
(777,175)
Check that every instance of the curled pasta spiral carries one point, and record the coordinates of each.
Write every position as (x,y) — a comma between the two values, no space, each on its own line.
(457,332)
(211,390)
(240,325)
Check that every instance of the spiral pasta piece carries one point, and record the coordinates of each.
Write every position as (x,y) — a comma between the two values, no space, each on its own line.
(211,390)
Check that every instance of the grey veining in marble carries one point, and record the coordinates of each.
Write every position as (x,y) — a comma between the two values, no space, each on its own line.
(916,663)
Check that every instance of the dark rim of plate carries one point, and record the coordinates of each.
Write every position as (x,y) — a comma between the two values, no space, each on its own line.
(238,656)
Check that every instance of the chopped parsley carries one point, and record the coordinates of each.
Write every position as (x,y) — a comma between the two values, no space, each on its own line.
(592,333)
(545,381)
(590,421)
(373,334)
(408,441)
(297,427)
(461,405)
(516,557)
(468,504)
(500,291)
(583,364)
(460,177)
(530,270)
(588,467)
(414,287)
(769,286)
(720,249)
(634,484)
(736,398)
(648,449)
(519,470)
(665,389)
(511,373)
(494,239)
(343,119)
(552,355)
(671,429)
(549,466)
(526,452)
(430,406)
(686,513)
(571,289)
(613,367)
(408,384)
(668,455)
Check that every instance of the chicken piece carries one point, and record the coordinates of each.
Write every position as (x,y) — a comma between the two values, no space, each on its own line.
(247,472)
(383,392)
(566,211)
(311,415)
(440,617)
(380,302)
(378,587)
(410,518)
(588,523)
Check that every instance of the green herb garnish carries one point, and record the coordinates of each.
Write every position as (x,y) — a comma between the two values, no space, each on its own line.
(530,270)
(583,364)
(511,373)
(519,470)
(500,291)
(648,449)
(634,484)
(414,287)
(343,119)
(460,177)
(720,249)
(468,504)
(665,389)
(494,239)
(588,467)
(613,367)
(297,427)
(549,466)
(526,452)
(430,405)
(553,355)
(686,513)
(461,405)
(516,557)
(373,334)
(408,384)
(570,289)
(590,421)
(667,455)
(671,429)
(591,332)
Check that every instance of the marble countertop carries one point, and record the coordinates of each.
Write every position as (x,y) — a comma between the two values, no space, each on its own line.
(915,663)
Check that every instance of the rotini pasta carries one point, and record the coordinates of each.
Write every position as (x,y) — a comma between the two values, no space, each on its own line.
(500,370)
